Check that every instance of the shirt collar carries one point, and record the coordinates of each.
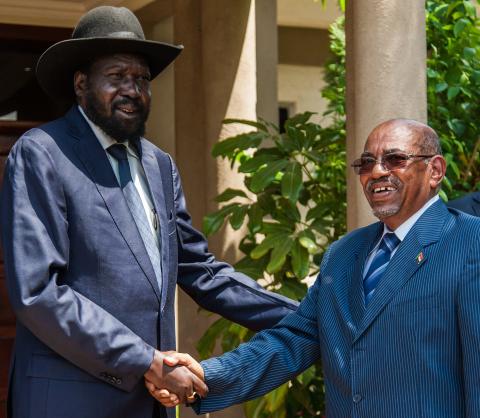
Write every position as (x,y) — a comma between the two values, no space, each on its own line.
(402,231)
(105,139)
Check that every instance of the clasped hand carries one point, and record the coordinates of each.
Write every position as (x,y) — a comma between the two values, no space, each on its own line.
(175,378)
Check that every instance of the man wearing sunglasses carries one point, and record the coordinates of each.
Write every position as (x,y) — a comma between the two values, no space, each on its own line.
(394,315)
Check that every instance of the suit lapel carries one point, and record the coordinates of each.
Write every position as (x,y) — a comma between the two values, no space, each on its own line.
(154,177)
(96,162)
(411,255)
(356,297)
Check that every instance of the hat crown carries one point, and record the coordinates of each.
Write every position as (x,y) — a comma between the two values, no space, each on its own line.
(108,21)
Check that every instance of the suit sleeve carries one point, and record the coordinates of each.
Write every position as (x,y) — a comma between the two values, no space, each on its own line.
(271,358)
(36,253)
(215,285)
(468,310)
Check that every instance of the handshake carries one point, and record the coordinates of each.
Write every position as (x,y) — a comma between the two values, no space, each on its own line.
(175,378)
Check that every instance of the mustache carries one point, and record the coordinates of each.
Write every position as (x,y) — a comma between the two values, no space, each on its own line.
(385,179)
(136,104)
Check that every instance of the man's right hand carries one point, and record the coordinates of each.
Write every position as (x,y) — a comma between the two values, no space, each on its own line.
(174,378)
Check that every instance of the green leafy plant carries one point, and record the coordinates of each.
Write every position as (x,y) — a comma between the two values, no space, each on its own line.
(453,42)
(294,207)
(295,204)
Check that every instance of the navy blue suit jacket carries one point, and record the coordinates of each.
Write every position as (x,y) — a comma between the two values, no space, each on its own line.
(469,203)
(90,311)
(413,352)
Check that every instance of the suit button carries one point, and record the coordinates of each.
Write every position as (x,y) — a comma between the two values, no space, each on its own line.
(119,381)
(357,398)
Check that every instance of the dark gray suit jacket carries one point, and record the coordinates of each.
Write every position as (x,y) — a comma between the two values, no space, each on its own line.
(90,311)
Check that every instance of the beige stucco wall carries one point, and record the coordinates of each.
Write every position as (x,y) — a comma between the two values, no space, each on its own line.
(300,86)
(386,78)
(217,77)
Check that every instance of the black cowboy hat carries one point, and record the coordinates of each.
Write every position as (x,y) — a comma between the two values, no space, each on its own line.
(101,31)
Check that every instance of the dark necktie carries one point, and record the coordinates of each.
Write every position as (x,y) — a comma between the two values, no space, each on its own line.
(379,264)
(134,202)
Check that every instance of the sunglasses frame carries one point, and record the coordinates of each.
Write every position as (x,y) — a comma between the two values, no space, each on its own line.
(361,169)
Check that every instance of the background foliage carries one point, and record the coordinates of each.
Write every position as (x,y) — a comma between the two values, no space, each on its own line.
(453,42)
(296,201)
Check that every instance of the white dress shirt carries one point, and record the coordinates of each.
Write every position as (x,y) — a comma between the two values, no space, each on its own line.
(136,170)
(401,232)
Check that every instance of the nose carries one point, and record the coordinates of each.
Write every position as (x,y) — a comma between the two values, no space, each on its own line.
(379,169)
(130,87)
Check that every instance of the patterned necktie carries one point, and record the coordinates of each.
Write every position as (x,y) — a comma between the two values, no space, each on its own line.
(379,264)
(134,202)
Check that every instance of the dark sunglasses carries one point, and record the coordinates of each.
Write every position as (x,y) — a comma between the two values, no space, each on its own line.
(391,161)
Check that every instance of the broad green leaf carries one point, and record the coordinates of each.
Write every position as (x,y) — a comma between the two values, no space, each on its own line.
(443,195)
(276,398)
(206,344)
(230,194)
(292,182)
(268,243)
(252,268)
(300,260)
(306,377)
(441,87)
(299,119)
(255,408)
(476,76)
(293,289)
(469,52)
(213,222)
(266,175)
(301,394)
(238,216)
(253,164)
(460,26)
(317,212)
(453,75)
(275,227)
(279,254)
(241,142)
(470,8)
(255,124)
(297,136)
(457,126)
(309,244)
(255,218)
(453,92)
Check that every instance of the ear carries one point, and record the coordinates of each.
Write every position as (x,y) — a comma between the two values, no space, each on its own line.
(438,167)
(80,85)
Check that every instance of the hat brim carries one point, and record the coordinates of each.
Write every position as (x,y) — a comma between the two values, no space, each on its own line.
(57,65)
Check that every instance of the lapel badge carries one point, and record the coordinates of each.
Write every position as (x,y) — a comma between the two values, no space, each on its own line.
(420,257)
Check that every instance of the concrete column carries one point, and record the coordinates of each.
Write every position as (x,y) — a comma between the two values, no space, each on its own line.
(161,123)
(386,59)
(230,83)
(215,78)
(267,59)
(190,149)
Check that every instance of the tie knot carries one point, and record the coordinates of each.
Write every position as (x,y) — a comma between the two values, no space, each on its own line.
(118,151)
(391,240)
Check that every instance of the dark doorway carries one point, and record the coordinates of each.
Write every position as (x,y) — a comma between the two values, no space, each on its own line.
(23,105)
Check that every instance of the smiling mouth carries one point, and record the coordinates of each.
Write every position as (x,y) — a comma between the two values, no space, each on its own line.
(383,189)
(127,110)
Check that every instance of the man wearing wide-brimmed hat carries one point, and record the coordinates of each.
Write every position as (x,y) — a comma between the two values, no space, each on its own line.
(96,236)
